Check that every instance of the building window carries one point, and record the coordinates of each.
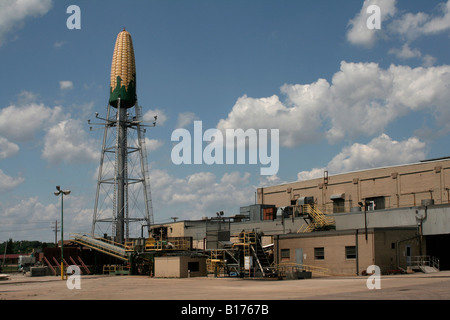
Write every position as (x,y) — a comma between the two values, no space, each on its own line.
(285,254)
(194,266)
(375,203)
(350,252)
(338,205)
(319,253)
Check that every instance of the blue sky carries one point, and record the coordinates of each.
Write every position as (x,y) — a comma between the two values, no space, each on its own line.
(343,97)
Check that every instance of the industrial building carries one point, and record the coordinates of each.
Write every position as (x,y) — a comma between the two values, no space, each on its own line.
(396,217)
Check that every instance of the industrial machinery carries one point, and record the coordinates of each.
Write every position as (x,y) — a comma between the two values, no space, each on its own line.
(245,257)
(25,262)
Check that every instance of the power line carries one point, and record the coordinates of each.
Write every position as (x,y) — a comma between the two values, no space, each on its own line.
(55,228)
(31,222)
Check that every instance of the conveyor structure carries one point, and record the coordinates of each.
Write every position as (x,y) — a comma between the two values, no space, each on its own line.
(103,245)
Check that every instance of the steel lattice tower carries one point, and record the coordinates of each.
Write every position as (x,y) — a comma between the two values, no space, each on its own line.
(123,186)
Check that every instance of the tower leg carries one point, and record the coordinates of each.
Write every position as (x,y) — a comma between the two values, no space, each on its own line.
(100,174)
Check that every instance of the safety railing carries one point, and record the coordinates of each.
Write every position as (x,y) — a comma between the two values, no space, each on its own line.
(169,244)
(424,261)
(318,220)
(286,267)
(106,246)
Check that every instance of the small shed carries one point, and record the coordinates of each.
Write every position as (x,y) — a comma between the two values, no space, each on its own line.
(180,266)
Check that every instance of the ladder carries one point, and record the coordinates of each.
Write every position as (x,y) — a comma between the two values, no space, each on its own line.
(144,167)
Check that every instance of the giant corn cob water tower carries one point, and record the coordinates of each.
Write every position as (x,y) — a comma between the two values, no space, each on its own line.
(123,194)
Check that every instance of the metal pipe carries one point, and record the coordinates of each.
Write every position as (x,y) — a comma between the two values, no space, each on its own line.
(356,249)
(121,160)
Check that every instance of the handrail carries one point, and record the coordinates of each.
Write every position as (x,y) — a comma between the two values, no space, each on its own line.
(109,247)
(424,261)
(300,267)
(317,217)
(169,244)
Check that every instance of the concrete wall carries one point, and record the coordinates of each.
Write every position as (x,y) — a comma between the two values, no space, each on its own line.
(404,217)
(437,219)
(390,248)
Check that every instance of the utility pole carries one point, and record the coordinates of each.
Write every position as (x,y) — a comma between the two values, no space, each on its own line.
(56,233)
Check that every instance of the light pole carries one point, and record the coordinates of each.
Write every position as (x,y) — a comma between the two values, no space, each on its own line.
(365,216)
(62,193)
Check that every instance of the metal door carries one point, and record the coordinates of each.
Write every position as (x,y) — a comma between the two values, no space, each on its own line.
(408,255)
(299,255)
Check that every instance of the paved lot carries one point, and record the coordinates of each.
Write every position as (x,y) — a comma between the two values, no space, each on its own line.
(417,286)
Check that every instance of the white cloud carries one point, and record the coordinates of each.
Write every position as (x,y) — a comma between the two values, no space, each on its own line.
(29,219)
(149,116)
(20,123)
(185,119)
(7,148)
(31,210)
(379,152)
(299,120)
(362,100)
(407,53)
(428,60)
(413,25)
(410,25)
(65,85)
(359,33)
(14,12)
(440,23)
(312,174)
(68,142)
(403,26)
(152,144)
(8,183)
(267,181)
(200,194)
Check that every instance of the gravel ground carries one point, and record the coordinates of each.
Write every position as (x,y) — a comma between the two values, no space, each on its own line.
(417,286)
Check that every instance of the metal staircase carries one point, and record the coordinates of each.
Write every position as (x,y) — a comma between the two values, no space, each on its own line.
(318,221)
(250,244)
